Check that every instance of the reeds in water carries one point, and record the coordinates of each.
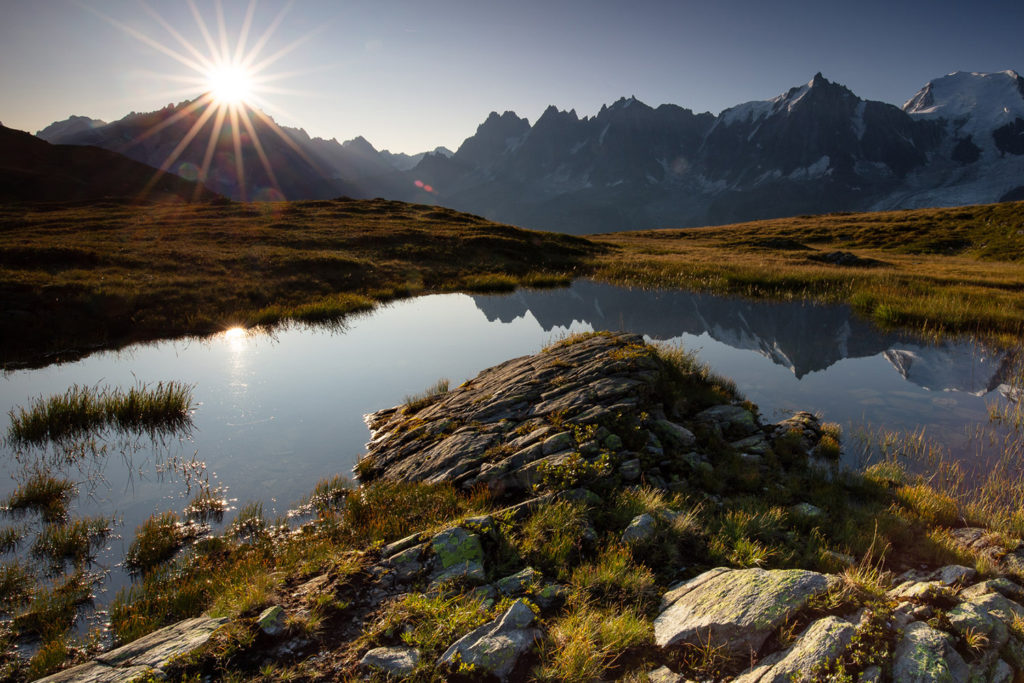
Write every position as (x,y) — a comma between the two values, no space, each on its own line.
(83,410)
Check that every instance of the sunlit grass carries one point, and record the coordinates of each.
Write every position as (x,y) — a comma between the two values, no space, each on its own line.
(118,267)
(82,410)
(42,493)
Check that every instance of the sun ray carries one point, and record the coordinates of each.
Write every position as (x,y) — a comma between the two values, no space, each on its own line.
(182,40)
(171,120)
(222,32)
(211,147)
(287,49)
(176,152)
(265,36)
(204,29)
(247,122)
(284,136)
(237,139)
(243,34)
(156,45)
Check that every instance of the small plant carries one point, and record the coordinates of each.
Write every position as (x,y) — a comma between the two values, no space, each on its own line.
(553,537)
(417,402)
(615,578)
(586,643)
(573,471)
(249,524)
(16,584)
(157,540)
(162,409)
(207,505)
(10,537)
(42,493)
(76,541)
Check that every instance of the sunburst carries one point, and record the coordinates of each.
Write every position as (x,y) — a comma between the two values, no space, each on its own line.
(232,78)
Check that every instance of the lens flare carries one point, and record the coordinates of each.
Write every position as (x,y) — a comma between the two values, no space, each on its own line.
(229,84)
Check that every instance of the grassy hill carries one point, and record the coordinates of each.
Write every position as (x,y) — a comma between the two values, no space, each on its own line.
(75,276)
(80,275)
(940,270)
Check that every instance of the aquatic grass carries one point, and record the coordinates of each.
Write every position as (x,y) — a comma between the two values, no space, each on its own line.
(81,410)
(249,524)
(157,540)
(17,582)
(54,609)
(207,505)
(417,402)
(42,493)
(10,537)
(328,494)
(48,658)
(76,541)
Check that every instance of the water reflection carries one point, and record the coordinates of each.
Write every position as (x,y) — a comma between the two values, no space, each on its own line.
(802,337)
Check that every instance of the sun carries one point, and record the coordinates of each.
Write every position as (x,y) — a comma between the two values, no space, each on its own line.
(229,83)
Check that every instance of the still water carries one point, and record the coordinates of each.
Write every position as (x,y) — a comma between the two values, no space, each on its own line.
(276,413)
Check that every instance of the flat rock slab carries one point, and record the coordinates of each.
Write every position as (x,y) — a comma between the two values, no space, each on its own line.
(497,645)
(159,647)
(927,655)
(465,434)
(143,656)
(94,672)
(395,661)
(822,641)
(734,608)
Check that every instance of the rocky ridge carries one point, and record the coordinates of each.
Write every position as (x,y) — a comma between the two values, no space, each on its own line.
(570,428)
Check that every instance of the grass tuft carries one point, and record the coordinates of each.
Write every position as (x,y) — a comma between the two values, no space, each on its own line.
(160,409)
(42,493)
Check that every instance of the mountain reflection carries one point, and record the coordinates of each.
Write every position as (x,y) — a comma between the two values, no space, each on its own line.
(800,336)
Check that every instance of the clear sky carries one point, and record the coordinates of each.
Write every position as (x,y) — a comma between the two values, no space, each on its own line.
(412,75)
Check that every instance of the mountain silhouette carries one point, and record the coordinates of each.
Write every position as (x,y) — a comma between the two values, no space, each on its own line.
(34,170)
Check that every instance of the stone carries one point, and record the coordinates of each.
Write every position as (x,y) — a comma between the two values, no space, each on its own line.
(518,583)
(806,511)
(925,654)
(407,564)
(872,674)
(1000,585)
(640,529)
(675,434)
(271,620)
(822,641)
(735,609)
(613,442)
(630,469)
(756,444)
(956,574)
(550,595)
(394,661)
(558,442)
(455,546)
(400,545)
(497,645)
(732,419)
(95,672)
(457,555)
(663,674)
(159,647)
(921,591)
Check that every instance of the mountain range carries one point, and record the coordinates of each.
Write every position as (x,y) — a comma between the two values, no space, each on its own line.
(816,148)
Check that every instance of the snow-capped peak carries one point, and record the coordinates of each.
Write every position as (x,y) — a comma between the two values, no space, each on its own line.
(973,104)
(996,96)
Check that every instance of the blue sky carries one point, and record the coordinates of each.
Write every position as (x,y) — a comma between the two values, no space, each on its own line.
(409,76)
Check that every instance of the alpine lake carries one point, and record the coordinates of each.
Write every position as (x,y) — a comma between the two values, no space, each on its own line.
(275,412)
